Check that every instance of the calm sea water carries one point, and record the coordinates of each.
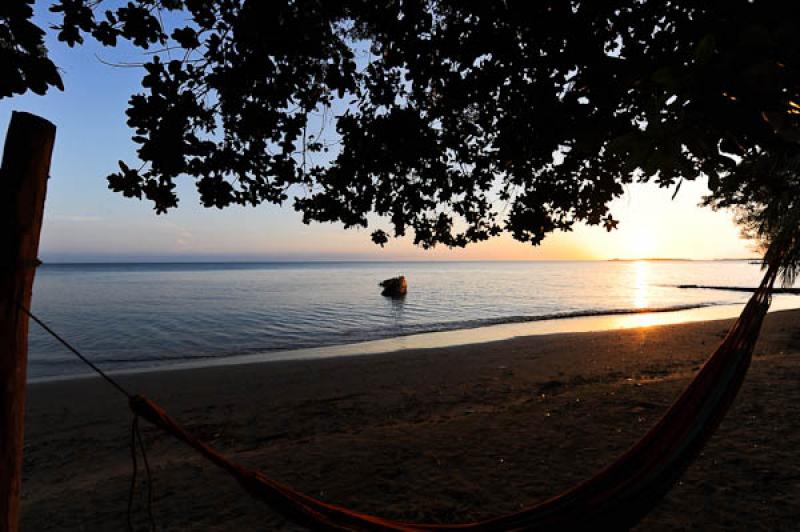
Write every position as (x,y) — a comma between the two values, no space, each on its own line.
(147,315)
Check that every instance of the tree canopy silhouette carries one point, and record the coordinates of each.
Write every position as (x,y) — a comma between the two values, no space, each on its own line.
(24,64)
(452,120)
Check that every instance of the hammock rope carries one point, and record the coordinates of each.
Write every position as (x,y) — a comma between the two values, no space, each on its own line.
(75,352)
(617,497)
(136,435)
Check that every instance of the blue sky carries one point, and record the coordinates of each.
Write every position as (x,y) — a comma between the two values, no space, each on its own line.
(84,221)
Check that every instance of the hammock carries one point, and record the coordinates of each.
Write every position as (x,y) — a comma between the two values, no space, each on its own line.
(616,498)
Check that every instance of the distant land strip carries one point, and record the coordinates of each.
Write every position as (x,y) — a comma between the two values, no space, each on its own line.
(795,291)
(754,260)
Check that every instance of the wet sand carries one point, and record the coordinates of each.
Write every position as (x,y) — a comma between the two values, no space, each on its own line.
(448,434)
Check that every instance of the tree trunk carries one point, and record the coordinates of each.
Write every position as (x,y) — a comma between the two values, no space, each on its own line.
(23,183)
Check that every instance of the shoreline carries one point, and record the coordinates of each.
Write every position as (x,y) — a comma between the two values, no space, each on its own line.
(444,435)
(567,323)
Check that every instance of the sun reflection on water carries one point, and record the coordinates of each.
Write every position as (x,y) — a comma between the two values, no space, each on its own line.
(641,298)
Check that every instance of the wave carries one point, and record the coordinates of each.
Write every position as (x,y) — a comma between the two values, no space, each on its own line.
(364,335)
(60,367)
(488,322)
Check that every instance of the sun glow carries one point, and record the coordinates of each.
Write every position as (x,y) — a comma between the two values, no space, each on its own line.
(643,245)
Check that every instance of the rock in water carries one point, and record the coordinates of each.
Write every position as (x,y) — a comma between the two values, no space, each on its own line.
(394,287)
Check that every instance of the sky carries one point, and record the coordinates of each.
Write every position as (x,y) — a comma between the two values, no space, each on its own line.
(86,222)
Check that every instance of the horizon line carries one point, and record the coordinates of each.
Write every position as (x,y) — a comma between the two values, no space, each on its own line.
(375,261)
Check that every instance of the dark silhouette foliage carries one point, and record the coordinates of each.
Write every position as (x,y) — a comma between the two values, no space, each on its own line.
(452,120)
(24,64)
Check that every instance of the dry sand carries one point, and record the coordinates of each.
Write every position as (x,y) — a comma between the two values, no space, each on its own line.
(451,434)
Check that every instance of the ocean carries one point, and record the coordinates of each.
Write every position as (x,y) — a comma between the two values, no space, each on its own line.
(143,316)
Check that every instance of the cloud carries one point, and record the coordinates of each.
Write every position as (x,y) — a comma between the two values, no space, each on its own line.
(184,238)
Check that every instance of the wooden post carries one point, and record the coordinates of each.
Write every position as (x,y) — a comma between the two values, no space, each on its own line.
(23,183)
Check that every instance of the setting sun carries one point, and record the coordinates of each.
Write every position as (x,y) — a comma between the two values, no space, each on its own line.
(642,244)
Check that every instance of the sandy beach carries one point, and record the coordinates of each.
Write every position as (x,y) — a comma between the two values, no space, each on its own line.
(451,434)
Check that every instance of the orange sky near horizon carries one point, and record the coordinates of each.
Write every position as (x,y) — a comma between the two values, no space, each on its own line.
(652,225)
